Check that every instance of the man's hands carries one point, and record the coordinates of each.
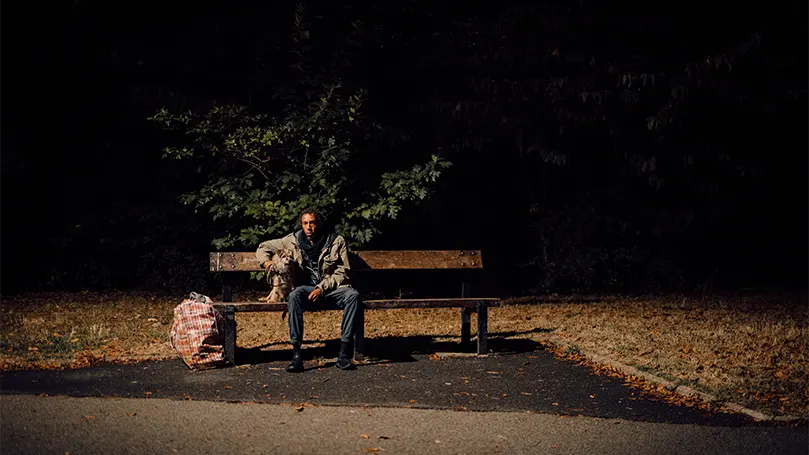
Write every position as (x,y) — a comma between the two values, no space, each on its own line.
(314,295)
(266,265)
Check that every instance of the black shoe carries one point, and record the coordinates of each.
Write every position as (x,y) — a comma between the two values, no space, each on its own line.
(296,366)
(344,361)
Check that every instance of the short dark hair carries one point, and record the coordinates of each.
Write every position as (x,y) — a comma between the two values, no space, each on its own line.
(312,211)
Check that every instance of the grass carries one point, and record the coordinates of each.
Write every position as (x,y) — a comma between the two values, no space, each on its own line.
(751,349)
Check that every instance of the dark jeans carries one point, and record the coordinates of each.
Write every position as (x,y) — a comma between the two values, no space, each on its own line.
(345,298)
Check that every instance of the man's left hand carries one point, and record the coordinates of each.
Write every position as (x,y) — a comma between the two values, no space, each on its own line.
(314,295)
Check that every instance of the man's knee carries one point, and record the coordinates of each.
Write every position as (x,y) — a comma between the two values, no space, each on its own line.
(297,296)
(352,297)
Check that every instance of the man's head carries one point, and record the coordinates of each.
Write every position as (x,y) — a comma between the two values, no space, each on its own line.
(311,222)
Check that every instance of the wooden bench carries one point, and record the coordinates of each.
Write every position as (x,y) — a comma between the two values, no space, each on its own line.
(363,261)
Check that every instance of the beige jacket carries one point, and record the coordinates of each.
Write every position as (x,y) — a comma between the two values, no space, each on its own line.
(332,262)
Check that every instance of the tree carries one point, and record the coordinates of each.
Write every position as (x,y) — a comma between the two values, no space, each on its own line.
(310,145)
(617,151)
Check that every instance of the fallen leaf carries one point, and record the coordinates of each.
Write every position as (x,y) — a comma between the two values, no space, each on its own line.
(364,436)
(371,450)
(412,401)
(186,396)
(299,409)
(532,357)
(33,348)
(434,356)
(554,404)
(494,372)
(147,393)
(89,417)
(526,393)
(131,414)
(227,387)
(384,437)
(505,394)
(56,335)
(266,385)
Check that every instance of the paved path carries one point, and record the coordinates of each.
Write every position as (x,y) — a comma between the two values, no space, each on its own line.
(531,381)
(57,425)
(533,402)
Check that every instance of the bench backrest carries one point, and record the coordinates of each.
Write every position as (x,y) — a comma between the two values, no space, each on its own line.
(366,260)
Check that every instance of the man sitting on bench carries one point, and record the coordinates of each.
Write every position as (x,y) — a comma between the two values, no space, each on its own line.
(323,259)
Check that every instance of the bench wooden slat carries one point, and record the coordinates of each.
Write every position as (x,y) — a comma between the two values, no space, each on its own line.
(366,260)
(369,304)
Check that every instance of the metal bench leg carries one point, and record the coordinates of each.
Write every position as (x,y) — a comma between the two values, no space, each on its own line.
(359,335)
(230,336)
(466,331)
(483,328)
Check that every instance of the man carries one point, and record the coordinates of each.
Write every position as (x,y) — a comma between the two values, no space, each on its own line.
(323,259)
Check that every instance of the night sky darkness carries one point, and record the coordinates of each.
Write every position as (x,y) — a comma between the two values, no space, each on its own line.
(88,202)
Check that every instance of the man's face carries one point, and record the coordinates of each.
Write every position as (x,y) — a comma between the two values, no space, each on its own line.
(309,225)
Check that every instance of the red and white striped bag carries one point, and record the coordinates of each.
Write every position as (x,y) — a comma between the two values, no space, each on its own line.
(197,333)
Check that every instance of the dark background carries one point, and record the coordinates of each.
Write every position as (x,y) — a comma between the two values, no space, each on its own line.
(88,203)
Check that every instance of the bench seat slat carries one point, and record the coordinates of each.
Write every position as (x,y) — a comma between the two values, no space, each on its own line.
(369,304)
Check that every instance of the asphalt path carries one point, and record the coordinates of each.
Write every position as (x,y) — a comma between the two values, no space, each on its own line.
(58,425)
(530,381)
(529,401)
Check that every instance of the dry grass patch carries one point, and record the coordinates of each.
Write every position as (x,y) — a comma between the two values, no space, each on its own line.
(753,350)
(56,330)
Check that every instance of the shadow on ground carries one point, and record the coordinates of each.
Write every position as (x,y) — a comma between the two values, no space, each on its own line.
(392,349)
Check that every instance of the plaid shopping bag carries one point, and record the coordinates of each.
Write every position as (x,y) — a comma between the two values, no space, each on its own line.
(197,333)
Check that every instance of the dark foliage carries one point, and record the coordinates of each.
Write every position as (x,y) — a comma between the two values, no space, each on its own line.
(595,145)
